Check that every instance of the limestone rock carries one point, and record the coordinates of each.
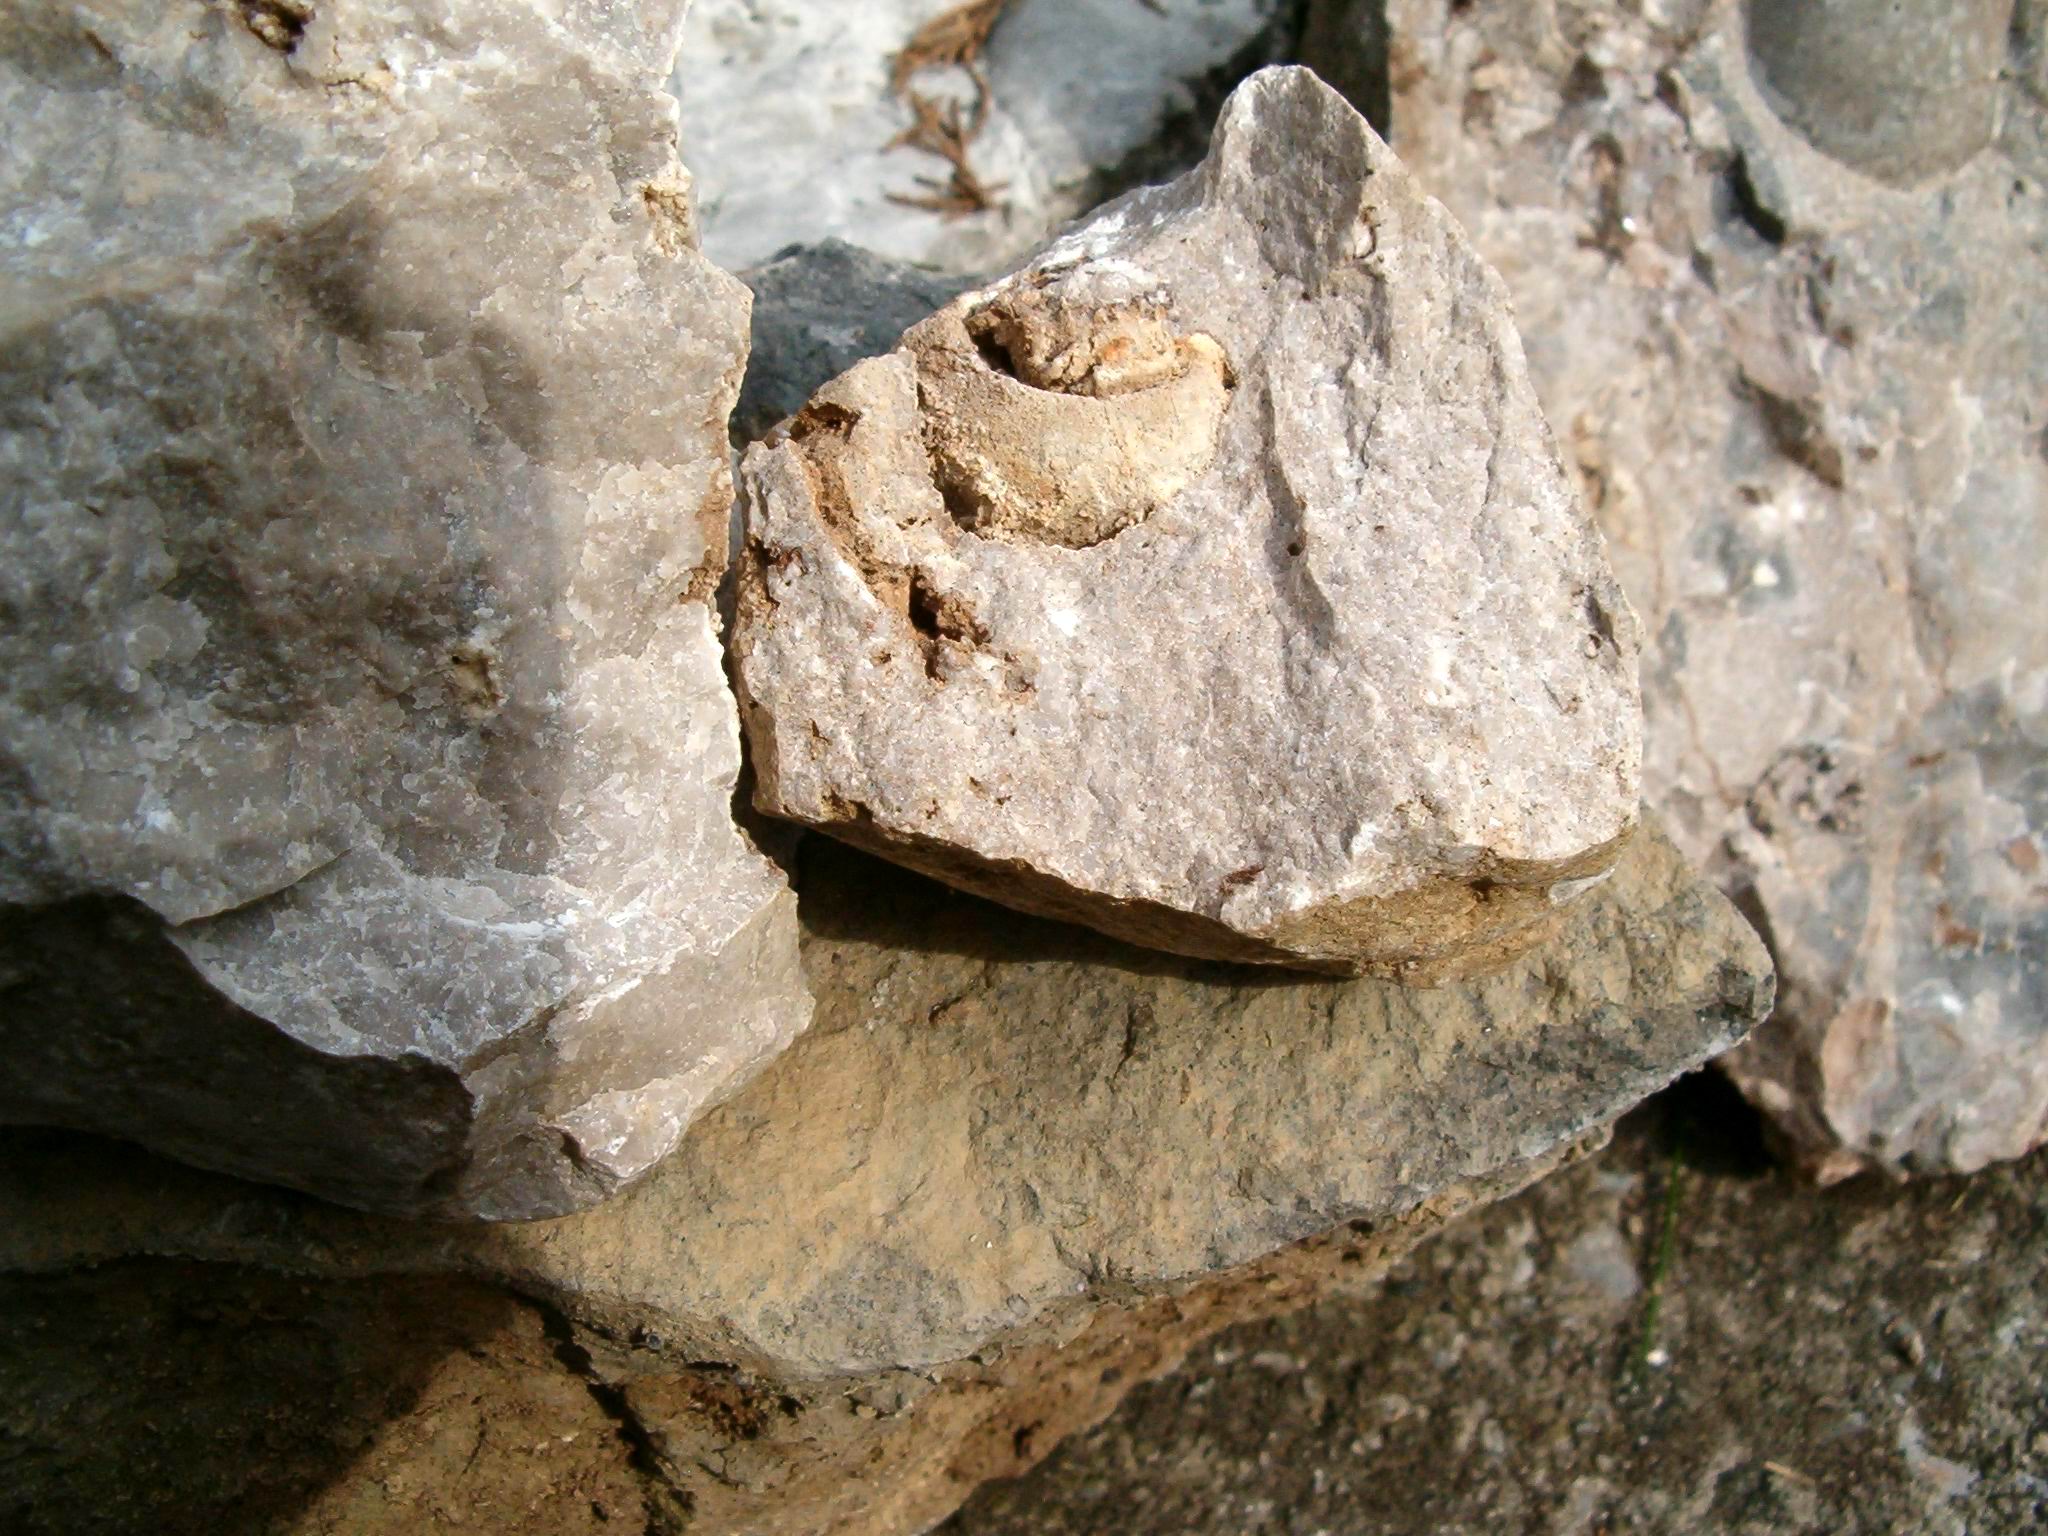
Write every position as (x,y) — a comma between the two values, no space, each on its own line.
(1806,405)
(792,120)
(366,747)
(992,1113)
(818,310)
(1212,580)
(1903,92)
(1012,1168)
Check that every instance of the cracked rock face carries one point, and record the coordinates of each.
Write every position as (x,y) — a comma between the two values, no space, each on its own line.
(1213,580)
(366,749)
(1788,316)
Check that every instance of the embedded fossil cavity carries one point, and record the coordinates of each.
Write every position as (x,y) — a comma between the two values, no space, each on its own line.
(1059,420)
(1361,696)
(1078,348)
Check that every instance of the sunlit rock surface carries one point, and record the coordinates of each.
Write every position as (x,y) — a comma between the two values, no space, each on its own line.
(1799,363)
(792,117)
(1213,580)
(1013,1169)
(366,749)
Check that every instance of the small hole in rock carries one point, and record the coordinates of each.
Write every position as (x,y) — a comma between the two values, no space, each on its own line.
(823,416)
(982,329)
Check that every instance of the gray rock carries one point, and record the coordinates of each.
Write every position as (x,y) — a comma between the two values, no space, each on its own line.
(1213,581)
(1900,91)
(818,310)
(366,747)
(1784,1380)
(1806,406)
(792,120)
(1011,1170)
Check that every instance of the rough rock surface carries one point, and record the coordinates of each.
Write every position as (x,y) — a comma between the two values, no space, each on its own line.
(791,119)
(1807,406)
(1012,1169)
(1902,90)
(1859,1361)
(1213,580)
(818,310)
(365,750)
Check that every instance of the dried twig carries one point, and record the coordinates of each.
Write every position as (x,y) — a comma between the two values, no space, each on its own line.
(953,38)
(1649,1349)
(935,122)
(956,36)
(938,128)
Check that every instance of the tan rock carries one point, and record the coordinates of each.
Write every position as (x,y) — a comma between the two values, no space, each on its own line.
(1213,580)
(1011,1170)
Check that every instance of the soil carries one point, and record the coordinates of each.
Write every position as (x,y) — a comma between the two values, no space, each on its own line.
(1672,1336)
(206,1400)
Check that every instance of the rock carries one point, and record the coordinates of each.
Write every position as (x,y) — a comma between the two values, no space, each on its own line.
(818,310)
(1902,92)
(1806,405)
(1011,1169)
(795,125)
(1213,581)
(366,746)
(1483,1386)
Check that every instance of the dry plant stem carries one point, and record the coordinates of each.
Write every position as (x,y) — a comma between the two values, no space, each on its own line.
(952,38)
(1660,1268)
(956,36)
(937,129)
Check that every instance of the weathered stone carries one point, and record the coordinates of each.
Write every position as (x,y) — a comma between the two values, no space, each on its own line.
(1012,1169)
(1213,580)
(1807,407)
(818,310)
(366,747)
(793,122)
(1902,90)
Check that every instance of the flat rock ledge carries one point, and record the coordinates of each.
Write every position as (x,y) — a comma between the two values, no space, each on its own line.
(1213,581)
(1011,1170)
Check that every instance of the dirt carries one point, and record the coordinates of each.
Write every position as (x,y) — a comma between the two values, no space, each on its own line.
(207,1400)
(1673,1336)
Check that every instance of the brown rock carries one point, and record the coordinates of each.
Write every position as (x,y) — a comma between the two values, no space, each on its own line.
(1012,1169)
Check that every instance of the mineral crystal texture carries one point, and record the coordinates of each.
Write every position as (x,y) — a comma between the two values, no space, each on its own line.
(1780,272)
(366,751)
(1213,580)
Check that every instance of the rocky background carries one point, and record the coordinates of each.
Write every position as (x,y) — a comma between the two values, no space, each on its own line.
(1675,1335)
(1777,270)
(1777,273)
